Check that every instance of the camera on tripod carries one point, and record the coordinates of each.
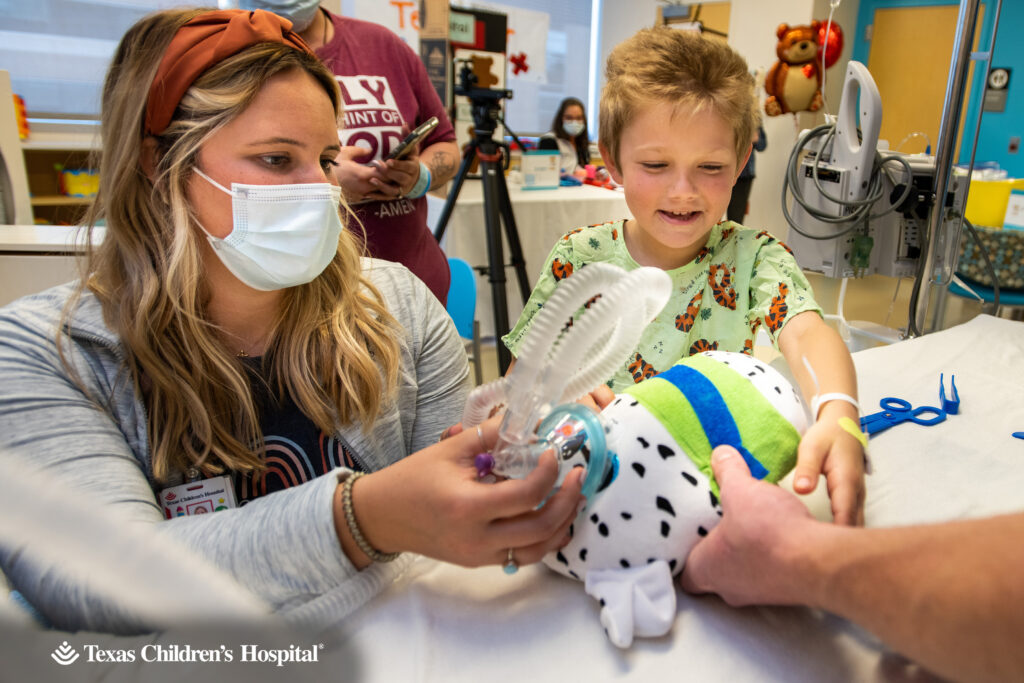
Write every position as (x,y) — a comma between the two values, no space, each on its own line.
(484,102)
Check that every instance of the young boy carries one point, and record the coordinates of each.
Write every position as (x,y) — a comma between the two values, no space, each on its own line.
(677,119)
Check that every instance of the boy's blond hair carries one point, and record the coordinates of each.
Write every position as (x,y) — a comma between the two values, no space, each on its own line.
(681,68)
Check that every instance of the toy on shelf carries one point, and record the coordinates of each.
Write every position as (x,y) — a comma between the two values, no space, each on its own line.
(22,117)
(794,82)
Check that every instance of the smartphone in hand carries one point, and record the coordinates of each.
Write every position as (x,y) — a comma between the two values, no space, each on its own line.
(412,139)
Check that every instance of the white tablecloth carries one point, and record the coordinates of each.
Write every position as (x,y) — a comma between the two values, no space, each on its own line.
(542,216)
(443,623)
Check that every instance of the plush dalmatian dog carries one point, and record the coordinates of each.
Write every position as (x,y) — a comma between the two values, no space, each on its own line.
(659,497)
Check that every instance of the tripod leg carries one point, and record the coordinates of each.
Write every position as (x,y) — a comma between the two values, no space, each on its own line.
(512,235)
(453,195)
(490,171)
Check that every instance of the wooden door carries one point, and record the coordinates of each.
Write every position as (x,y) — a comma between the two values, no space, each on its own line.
(909,58)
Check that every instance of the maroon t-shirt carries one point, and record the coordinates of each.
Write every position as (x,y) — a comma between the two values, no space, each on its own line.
(383,86)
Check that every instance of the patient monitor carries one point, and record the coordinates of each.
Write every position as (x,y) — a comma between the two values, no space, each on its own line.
(855,208)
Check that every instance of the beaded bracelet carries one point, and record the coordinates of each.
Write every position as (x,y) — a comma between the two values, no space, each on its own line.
(353,526)
(422,183)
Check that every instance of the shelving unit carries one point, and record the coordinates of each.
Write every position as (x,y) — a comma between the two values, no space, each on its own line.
(45,151)
(29,178)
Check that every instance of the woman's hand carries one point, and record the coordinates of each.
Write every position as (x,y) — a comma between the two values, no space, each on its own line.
(432,503)
(377,180)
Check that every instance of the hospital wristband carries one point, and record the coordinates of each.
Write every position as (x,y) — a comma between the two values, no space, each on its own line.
(353,525)
(422,183)
(818,401)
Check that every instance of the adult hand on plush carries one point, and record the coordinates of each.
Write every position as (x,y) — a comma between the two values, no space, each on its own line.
(748,558)
(433,503)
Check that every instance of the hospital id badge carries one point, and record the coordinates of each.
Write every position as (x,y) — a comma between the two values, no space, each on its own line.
(198,497)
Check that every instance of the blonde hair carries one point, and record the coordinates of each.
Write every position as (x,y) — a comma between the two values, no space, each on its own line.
(683,69)
(333,347)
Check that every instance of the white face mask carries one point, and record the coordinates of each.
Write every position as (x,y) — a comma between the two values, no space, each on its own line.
(573,128)
(283,235)
(299,12)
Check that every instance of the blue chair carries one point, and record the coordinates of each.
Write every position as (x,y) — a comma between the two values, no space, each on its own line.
(462,309)
(1005,249)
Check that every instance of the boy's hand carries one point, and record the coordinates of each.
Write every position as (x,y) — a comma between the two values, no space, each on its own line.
(828,449)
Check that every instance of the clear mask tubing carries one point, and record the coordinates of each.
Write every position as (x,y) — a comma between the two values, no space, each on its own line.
(558,364)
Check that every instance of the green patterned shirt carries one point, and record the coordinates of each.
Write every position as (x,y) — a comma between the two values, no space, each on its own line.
(740,280)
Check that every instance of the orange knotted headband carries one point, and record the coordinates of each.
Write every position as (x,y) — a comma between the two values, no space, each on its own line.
(204,41)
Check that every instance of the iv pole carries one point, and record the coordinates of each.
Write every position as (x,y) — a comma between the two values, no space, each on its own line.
(967,21)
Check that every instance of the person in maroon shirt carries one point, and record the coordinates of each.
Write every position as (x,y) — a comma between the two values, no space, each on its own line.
(386,93)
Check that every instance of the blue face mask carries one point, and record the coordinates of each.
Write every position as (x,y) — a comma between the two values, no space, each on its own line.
(299,12)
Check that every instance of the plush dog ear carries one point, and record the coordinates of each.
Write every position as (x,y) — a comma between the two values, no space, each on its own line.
(781,31)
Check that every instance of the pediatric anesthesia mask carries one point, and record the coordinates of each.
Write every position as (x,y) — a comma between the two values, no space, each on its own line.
(559,363)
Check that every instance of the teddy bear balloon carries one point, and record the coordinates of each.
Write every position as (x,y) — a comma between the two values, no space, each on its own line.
(659,496)
(794,82)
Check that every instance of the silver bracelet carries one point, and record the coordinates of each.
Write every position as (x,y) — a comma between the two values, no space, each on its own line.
(353,526)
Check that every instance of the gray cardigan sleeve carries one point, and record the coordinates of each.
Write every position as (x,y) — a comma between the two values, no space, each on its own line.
(283,546)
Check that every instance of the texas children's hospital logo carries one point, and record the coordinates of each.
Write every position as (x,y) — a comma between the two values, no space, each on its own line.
(65,654)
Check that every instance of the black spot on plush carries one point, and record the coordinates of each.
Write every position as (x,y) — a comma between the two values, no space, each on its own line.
(561,558)
(583,554)
(690,478)
(634,403)
(574,575)
(626,516)
(672,564)
(572,530)
(595,520)
(665,452)
(609,477)
(639,468)
(714,499)
(665,505)
(701,531)
(665,529)
(643,441)
(602,529)
(624,563)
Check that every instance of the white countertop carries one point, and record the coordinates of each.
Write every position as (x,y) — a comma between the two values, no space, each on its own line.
(45,239)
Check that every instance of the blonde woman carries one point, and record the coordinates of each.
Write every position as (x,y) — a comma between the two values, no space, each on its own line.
(226,327)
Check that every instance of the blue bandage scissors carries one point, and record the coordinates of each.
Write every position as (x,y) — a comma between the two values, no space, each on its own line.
(896,411)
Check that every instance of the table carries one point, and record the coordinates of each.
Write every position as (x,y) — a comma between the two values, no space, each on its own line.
(542,216)
(36,257)
(443,623)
